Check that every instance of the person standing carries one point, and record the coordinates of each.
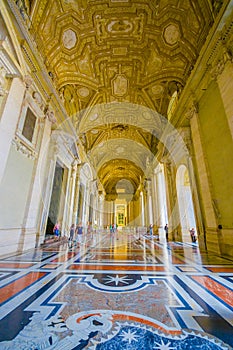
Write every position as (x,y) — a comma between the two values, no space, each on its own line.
(79,233)
(151,229)
(56,230)
(71,237)
(166,231)
(193,235)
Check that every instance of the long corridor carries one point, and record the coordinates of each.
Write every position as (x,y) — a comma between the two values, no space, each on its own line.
(116,291)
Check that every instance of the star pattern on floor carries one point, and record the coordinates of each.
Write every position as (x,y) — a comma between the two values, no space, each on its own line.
(124,298)
(117,279)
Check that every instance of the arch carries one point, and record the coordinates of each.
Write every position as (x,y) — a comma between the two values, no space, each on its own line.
(185,202)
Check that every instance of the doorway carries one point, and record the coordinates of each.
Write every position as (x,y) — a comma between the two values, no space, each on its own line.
(54,208)
(120,215)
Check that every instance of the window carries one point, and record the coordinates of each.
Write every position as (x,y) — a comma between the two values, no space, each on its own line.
(29,125)
(121,219)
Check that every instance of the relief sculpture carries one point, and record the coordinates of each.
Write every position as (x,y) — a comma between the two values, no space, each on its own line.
(119,85)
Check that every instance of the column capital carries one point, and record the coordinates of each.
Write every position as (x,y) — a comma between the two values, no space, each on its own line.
(74,169)
(75,163)
(28,81)
(3,79)
(49,114)
(193,110)
(217,67)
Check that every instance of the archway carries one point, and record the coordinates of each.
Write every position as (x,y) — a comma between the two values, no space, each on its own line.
(57,201)
(185,202)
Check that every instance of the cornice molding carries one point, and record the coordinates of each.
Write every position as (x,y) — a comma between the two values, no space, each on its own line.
(24,148)
(7,62)
(35,61)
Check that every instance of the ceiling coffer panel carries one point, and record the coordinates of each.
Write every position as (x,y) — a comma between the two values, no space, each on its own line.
(129,52)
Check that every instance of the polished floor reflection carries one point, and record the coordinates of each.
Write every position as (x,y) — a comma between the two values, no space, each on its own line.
(116,291)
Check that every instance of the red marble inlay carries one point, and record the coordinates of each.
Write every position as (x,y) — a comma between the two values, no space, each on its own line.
(17,286)
(125,317)
(216,288)
(220,269)
(15,265)
(116,267)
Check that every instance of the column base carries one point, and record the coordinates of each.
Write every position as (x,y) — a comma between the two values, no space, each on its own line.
(212,240)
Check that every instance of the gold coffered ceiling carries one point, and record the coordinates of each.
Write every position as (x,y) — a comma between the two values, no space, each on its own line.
(111,51)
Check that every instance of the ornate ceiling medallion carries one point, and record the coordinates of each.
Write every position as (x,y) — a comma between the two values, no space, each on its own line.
(147,115)
(119,85)
(120,27)
(120,150)
(171,34)
(94,131)
(116,26)
(83,91)
(93,117)
(157,90)
(69,39)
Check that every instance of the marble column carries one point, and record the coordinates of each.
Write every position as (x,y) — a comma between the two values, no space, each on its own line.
(48,187)
(114,212)
(204,186)
(142,208)
(9,120)
(86,204)
(65,214)
(160,197)
(172,201)
(149,203)
(101,211)
(72,192)
(31,226)
(76,196)
(223,73)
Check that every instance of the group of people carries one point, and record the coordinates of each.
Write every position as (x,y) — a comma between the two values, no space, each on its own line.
(192,233)
(75,232)
(113,228)
(165,229)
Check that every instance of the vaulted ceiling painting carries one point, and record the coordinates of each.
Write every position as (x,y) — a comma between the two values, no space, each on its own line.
(107,55)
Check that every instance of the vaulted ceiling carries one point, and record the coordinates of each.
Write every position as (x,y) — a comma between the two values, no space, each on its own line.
(116,65)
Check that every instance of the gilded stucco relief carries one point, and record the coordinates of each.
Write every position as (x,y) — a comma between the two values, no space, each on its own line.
(119,51)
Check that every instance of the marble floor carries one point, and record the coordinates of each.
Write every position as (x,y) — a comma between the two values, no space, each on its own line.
(116,291)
